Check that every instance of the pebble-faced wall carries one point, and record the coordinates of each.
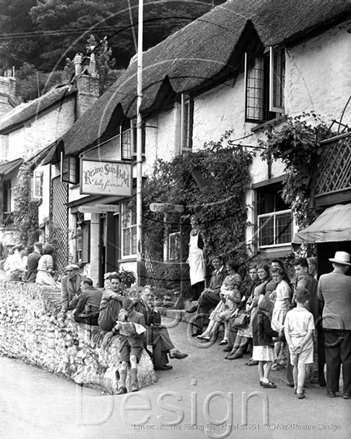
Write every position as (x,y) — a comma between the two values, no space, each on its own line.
(33,329)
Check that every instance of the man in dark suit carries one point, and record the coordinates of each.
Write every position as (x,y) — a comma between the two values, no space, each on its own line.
(209,298)
(335,290)
(157,334)
(32,263)
(87,309)
(70,287)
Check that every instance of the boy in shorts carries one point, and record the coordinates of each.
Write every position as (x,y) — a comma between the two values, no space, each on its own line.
(298,329)
(132,343)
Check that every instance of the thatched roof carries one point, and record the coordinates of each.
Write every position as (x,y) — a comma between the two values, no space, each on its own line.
(198,56)
(23,112)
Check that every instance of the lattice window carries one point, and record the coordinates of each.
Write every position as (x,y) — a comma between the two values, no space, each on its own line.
(275,228)
(59,216)
(334,169)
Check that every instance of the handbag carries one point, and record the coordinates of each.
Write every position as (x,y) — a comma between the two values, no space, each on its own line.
(241,321)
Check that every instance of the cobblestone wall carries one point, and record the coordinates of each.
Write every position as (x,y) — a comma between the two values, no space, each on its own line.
(33,330)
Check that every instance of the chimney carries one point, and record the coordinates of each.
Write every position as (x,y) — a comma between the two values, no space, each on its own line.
(78,64)
(88,86)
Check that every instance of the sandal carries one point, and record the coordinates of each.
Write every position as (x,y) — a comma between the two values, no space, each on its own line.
(269,385)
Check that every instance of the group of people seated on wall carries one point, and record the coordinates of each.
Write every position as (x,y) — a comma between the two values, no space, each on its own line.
(136,320)
(309,320)
(31,267)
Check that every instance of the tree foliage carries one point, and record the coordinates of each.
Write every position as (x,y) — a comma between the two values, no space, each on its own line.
(297,145)
(25,211)
(44,33)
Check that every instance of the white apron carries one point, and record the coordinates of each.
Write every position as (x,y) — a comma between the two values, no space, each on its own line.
(196,261)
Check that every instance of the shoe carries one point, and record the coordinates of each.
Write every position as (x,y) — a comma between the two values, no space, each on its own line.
(300,395)
(331,394)
(226,357)
(251,363)
(205,338)
(346,396)
(122,390)
(261,383)
(175,354)
(134,387)
(269,385)
(164,367)
(224,342)
(228,349)
(288,384)
(191,309)
(235,356)
(196,334)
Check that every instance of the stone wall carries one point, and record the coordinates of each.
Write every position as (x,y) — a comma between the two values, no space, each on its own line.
(33,329)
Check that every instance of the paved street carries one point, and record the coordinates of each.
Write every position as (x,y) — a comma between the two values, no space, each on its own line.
(190,401)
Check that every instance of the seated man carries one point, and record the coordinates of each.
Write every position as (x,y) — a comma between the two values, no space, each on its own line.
(87,309)
(111,303)
(70,287)
(157,335)
(209,298)
(132,343)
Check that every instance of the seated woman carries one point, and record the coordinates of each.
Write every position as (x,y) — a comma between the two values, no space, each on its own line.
(46,268)
(230,298)
(251,308)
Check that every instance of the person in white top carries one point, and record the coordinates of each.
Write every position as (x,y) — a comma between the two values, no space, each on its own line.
(196,259)
(298,330)
(15,265)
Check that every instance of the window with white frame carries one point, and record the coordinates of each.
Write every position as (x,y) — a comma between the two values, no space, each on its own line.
(69,169)
(128,140)
(4,147)
(187,122)
(37,186)
(129,232)
(264,82)
(274,218)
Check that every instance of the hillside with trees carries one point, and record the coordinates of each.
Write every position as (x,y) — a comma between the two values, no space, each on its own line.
(40,37)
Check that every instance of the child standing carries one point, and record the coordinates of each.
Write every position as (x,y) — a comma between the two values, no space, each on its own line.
(298,328)
(263,345)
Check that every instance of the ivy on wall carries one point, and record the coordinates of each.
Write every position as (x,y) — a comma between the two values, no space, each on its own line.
(216,195)
(25,211)
(298,145)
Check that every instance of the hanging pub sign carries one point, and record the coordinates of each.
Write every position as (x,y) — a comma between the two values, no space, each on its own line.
(105,177)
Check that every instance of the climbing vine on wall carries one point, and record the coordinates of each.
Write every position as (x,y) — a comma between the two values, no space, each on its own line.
(25,211)
(297,145)
(217,198)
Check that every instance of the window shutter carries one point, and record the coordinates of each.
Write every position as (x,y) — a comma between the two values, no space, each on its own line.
(69,169)
(254,88)
(276,80)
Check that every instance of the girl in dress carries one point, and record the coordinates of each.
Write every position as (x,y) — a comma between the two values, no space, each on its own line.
(230,298)
(281,299)
(263,346)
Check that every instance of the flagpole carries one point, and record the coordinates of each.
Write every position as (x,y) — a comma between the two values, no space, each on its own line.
(139,165)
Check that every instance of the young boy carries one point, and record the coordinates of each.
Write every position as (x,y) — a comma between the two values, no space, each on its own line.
(298,329)
(132,343)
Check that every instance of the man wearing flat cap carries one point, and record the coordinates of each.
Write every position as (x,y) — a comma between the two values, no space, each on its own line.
(335,290)
(70,287)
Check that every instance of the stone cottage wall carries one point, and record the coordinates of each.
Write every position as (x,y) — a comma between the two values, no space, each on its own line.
(33,329)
